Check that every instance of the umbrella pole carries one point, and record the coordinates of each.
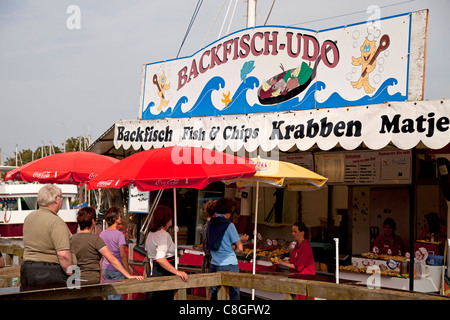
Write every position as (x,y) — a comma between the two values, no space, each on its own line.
(175,227)
(337,260)
(79,199)
(254,235)
(148,219)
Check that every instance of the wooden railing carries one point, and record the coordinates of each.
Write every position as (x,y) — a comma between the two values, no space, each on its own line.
(288,287)
(8,273)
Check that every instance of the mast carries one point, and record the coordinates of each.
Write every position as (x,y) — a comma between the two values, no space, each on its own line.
(251,13)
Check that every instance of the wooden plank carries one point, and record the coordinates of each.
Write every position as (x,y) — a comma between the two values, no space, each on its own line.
(417,55)
(287,286)
(118,287)
(10,272)
(287,296)
(266,282)
(326,290)
(6,274)
(12,249)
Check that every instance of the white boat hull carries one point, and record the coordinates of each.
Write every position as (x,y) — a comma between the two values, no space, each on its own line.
(17,201)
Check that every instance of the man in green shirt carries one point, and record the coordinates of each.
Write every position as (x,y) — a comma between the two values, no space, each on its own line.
(46,238)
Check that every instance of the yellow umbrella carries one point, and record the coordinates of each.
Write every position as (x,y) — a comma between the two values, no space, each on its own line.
(278,174)
(281,174)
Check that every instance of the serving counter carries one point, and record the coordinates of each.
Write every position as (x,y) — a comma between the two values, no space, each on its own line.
(194,257)
(387,274)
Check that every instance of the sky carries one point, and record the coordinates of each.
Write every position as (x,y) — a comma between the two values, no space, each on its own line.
(74,68)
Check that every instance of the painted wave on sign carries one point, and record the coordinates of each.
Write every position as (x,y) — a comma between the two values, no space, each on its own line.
(239,104)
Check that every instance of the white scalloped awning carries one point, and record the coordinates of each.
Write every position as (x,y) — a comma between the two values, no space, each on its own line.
(405,124)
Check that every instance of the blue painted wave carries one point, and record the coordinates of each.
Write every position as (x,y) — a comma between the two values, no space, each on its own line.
(239,104)
(380,96)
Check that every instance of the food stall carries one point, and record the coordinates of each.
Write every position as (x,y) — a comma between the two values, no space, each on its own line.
(266,255)
(369,149)
(384,271)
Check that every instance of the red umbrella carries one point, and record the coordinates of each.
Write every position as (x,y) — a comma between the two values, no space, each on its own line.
(173,167)
(67,168)
(15,173)
(170,168)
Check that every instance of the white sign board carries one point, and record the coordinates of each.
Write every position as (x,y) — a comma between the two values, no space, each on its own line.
(403,124)
(303,160)
(366,167)
(138,200)
(278,68)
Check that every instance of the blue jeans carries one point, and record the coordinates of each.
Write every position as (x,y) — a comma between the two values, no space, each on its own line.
(234,291)
(113,275)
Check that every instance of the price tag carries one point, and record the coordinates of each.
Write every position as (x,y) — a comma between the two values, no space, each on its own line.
(392,264)
(292,245)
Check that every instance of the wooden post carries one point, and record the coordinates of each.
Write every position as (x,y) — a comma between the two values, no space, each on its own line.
(180,294)
(9,262)
(223,293)
(418,45)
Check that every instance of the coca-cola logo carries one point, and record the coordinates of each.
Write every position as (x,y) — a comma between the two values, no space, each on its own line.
(104,183)
(41,175)
(171,182)
(92,175)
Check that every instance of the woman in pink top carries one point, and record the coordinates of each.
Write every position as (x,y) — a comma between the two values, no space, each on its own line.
(115,241)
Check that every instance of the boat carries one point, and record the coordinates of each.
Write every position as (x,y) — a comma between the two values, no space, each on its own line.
(285,85)
(288,84)
(19,200)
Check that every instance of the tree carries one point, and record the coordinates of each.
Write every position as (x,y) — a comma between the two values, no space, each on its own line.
(76,144)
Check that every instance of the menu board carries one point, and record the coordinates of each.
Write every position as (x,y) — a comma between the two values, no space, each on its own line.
(304,160)
(138,200)
(365,167)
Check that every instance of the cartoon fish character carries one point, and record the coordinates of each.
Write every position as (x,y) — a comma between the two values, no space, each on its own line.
(246,69)
(368,50)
